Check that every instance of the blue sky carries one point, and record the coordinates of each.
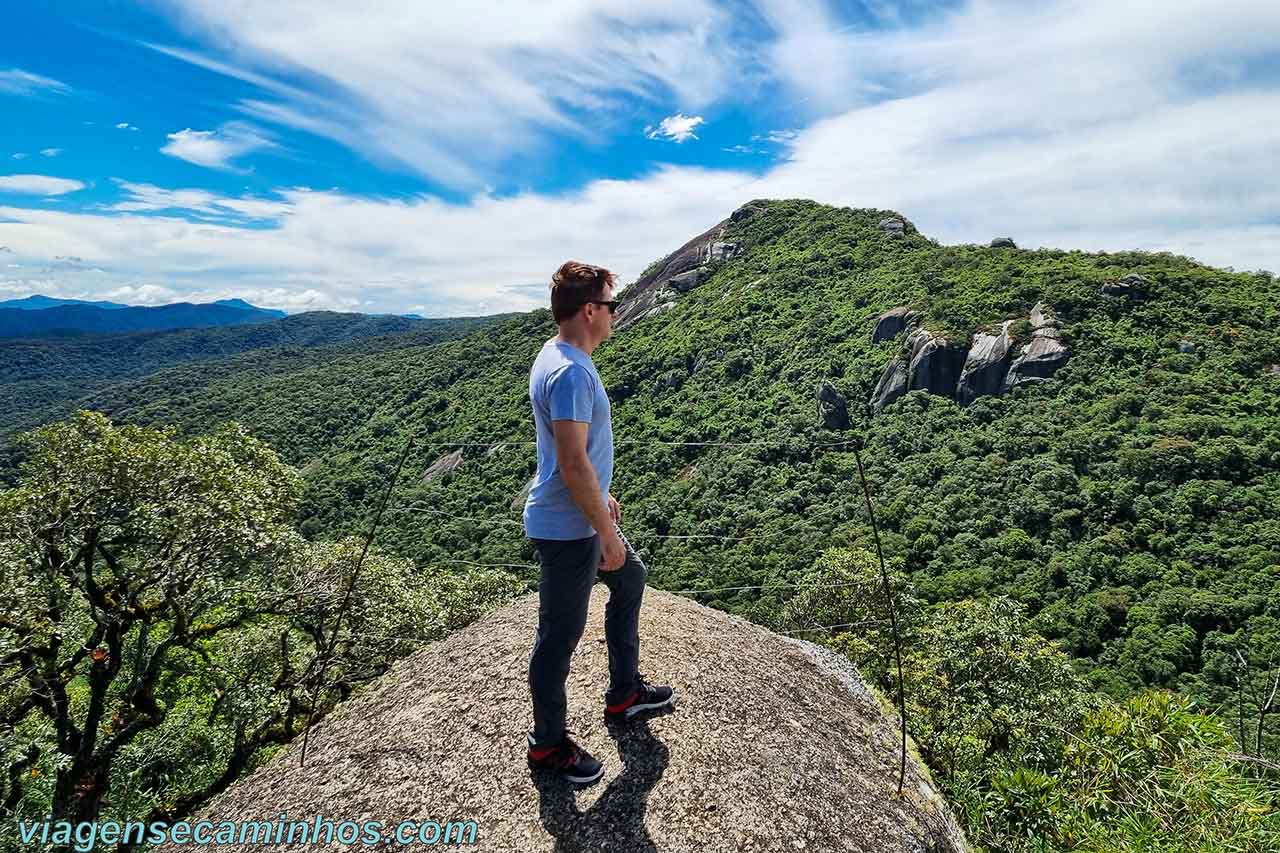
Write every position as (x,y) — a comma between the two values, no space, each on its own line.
(417,158)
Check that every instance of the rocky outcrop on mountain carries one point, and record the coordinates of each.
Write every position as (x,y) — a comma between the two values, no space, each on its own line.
(1186,347)
(988,366)
(684,269)
(1039,359)
(446,464)
(773,744)
(1003,243)
(892,384)
(833,408)
(935,364)
(892,323)
(985,365)
(1132,286)
(893,225)
(1274,369)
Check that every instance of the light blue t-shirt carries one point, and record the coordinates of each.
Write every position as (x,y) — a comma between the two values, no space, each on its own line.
(564,385)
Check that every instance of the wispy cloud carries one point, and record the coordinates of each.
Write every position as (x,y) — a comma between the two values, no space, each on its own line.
(676,128)
(19,155)
(215,148)
(453,91)
(50,152)
(124,125)
(38,184)
(1085,125)
(148,197)
(15,81)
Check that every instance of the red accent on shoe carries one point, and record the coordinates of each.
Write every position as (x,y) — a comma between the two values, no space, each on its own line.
(539,753)
(624,705)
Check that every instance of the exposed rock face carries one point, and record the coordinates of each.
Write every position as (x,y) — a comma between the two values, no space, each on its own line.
(1133,286)
(686,281)
(893,225)
(682,270)
(1274,369)
(1042,315)
(833,409)
(773,744)
(1003,243)
(720,251)
(892,323)
(935,364)
(985,366)
(892,384)
(444,465)
(1039,359)
(1186,347)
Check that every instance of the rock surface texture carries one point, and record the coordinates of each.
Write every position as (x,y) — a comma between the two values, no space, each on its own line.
(988,366)
(773,744)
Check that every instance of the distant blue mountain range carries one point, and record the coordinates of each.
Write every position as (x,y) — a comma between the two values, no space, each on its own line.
(40,316)
(38,302)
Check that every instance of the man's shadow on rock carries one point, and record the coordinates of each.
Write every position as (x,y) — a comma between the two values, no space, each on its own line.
(616,820)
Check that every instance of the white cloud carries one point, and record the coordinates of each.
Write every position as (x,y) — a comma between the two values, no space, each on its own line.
(215,148)
(777,137)
(38,184)
(149,197)
(50,152)
(19,155)
(1090,126)
(453,91)
(124,125)
(15,81)
(676,128)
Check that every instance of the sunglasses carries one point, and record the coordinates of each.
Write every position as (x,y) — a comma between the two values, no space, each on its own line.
(611,304)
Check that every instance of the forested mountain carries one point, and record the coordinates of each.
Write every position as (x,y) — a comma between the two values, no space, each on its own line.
(63,320)
(1130,501)
(43,380)
(1093,437)
(38,302)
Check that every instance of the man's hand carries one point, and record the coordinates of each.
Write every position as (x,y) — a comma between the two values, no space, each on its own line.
(612,552)
(615,511)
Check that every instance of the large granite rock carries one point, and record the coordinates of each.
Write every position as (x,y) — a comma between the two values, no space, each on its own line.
(1003,243)
(833,409)
(1132,286)
(892,384)
(1039,359)
(773,743)
(935,364)
(664,282)
(893,225)
(892,323)
(446,464)
(985,366)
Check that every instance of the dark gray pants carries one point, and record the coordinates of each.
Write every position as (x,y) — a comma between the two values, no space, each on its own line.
(568,569)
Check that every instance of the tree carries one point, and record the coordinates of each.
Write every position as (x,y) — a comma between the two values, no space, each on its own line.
(121,546)
(167,623)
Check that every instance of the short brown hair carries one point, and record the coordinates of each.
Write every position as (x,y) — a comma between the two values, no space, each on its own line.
(573,285)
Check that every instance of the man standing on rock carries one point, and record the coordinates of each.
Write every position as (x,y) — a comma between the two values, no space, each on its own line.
(574,529)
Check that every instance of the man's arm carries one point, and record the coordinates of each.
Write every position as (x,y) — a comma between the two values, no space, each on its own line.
(579,476)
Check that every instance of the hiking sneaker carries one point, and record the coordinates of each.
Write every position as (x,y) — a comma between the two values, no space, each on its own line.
(568,759)
(646,697)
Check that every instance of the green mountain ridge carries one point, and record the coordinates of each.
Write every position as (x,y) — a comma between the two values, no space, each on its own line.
(1139,467)
(1127,502)
(44,380)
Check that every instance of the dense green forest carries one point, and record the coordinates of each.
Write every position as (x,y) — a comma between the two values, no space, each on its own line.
(45,379)
(1106,533)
